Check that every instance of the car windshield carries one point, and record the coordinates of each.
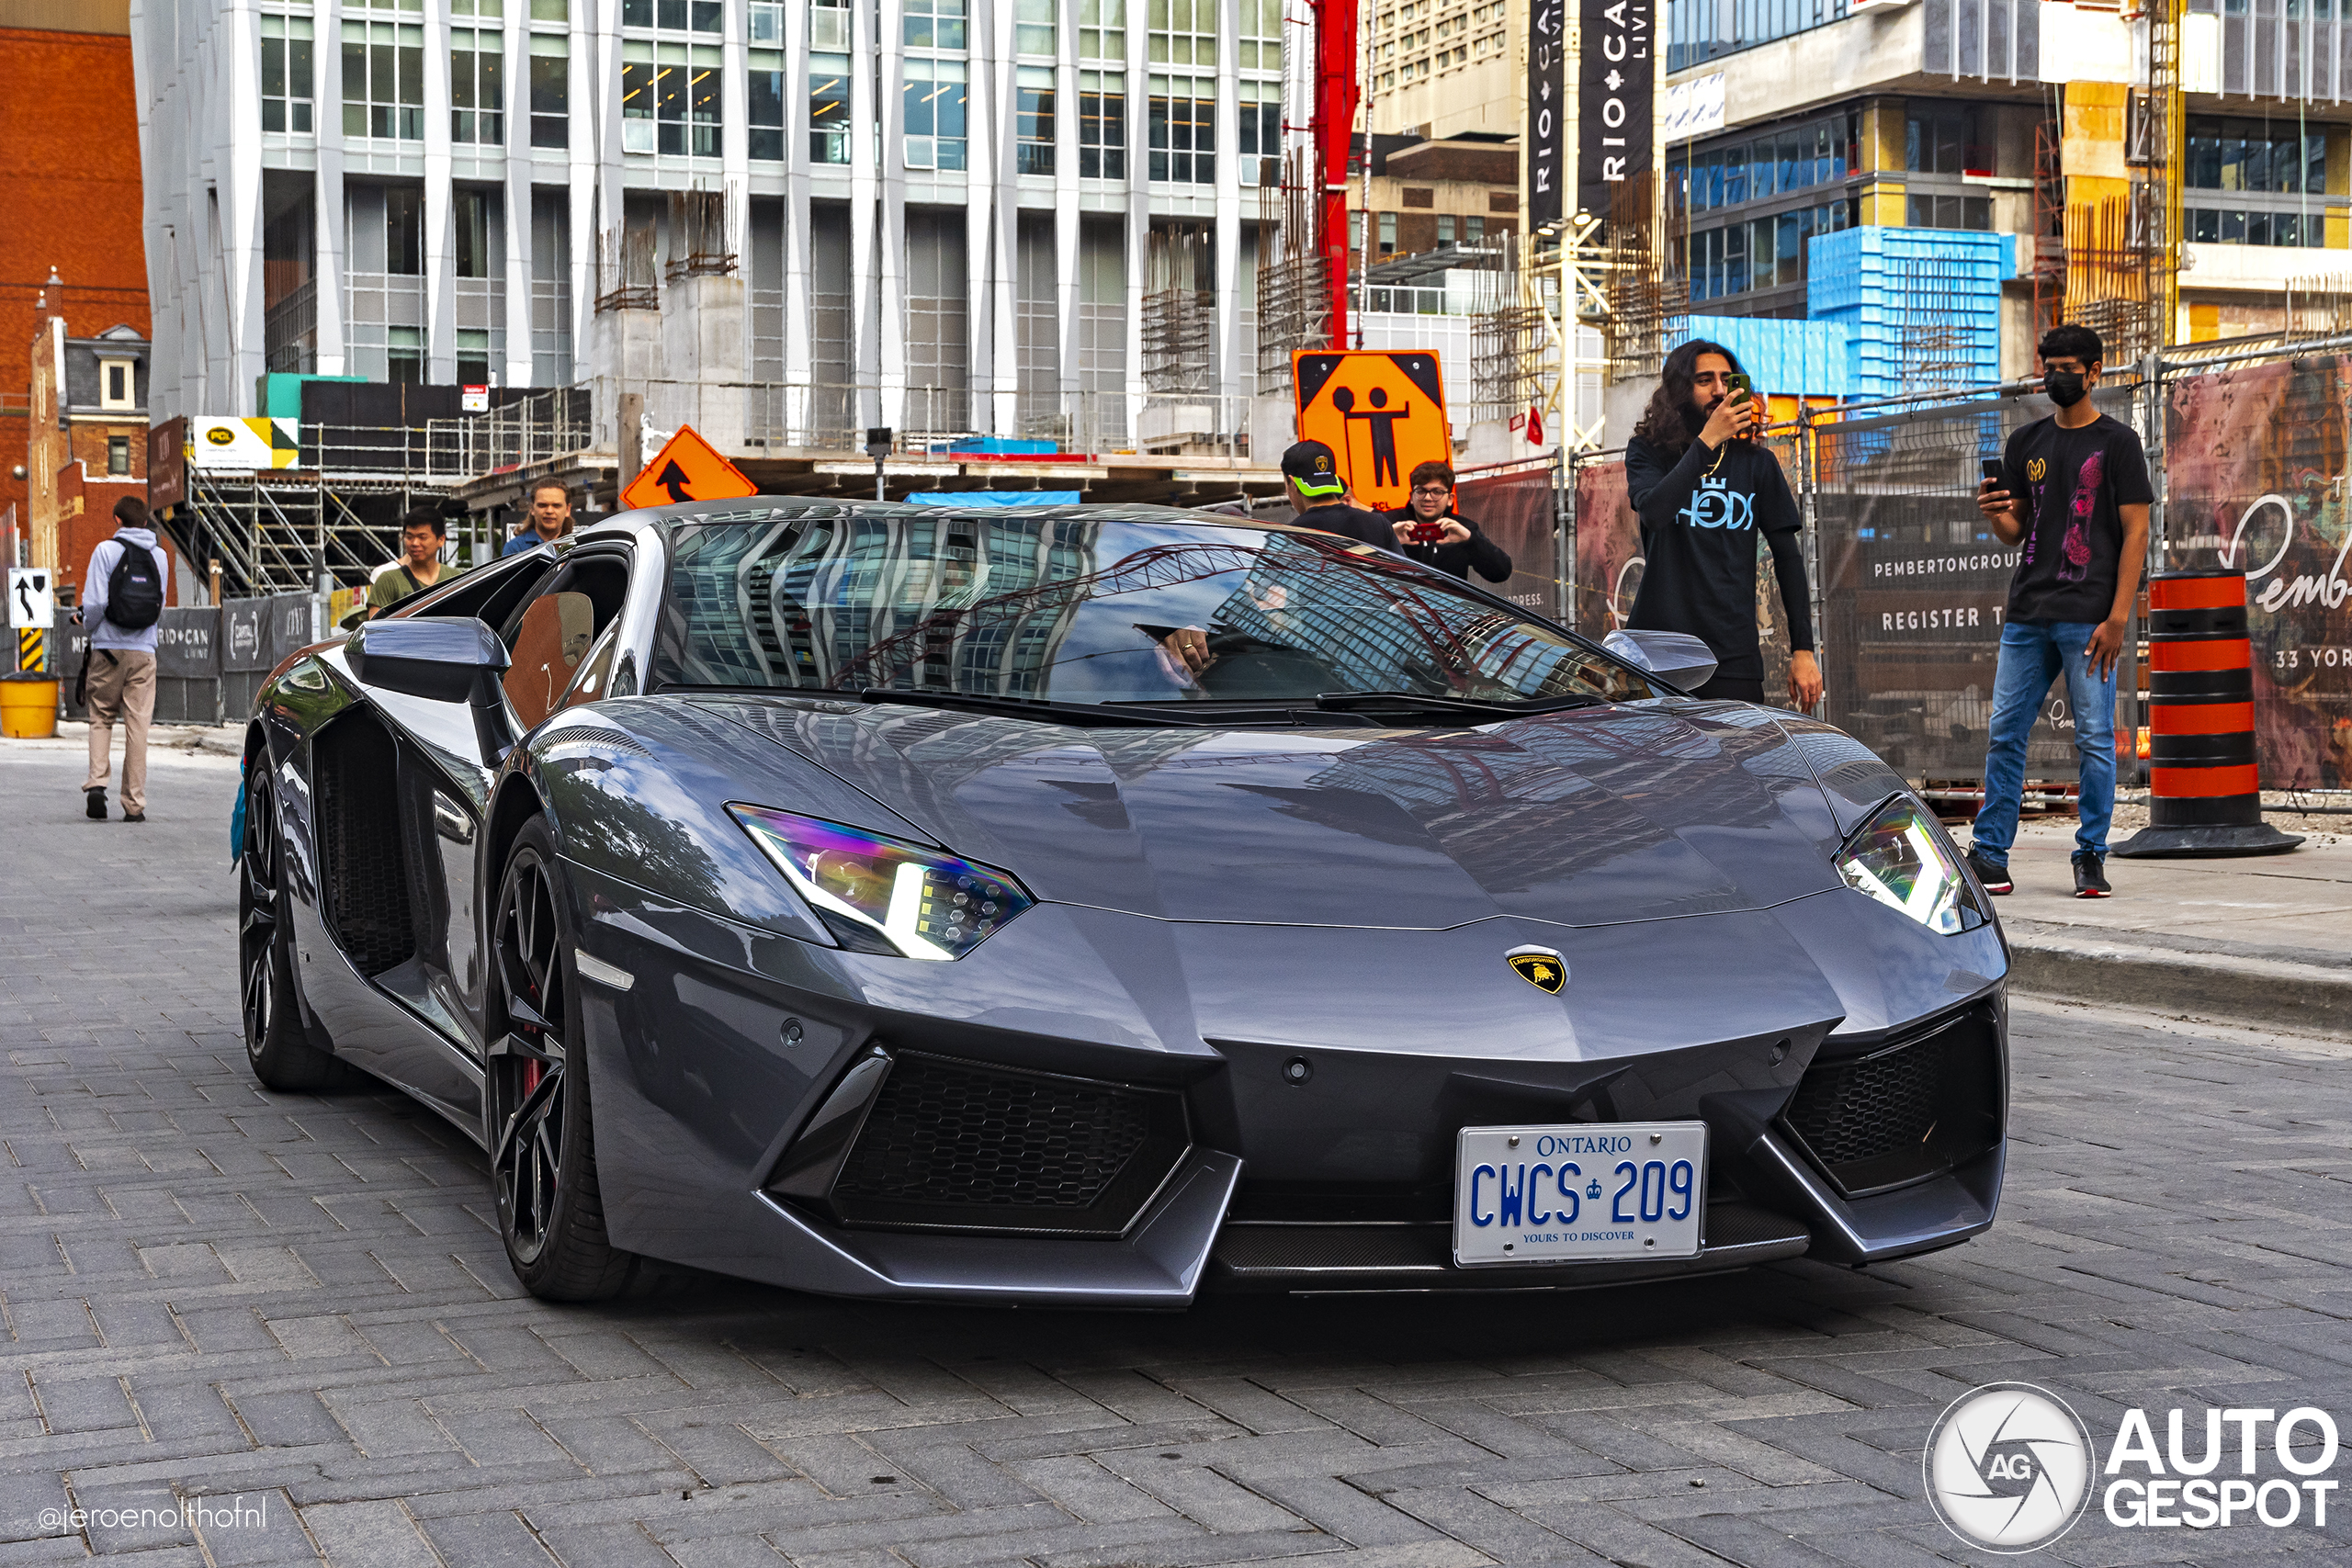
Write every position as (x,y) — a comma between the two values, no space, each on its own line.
(1078,608)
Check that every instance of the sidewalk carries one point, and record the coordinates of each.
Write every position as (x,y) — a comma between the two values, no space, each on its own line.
(2266,939)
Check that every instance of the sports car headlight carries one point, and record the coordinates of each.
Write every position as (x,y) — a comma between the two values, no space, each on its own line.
(1899,859)
(879,895)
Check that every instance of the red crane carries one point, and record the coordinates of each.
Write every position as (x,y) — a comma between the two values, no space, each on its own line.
(1334,132)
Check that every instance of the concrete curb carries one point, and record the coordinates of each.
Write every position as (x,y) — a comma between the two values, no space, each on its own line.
(2237,988)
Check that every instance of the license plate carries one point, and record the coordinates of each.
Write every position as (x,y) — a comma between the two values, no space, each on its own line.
(1577,1194)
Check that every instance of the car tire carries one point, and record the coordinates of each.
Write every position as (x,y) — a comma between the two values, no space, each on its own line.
(277,1048)
(542,1142)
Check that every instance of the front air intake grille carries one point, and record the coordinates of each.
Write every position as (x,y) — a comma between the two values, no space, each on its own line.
(1905,1112)
(969,1146)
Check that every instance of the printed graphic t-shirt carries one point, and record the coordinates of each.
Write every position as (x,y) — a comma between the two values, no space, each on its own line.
(2073,482)
(1700,514)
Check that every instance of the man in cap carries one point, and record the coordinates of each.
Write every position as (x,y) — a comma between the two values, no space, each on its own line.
(1319,494)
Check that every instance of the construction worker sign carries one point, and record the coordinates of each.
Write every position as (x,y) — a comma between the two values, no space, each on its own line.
(687,469)
(1382,412)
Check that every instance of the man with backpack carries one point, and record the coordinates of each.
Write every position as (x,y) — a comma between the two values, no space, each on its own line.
(123,600)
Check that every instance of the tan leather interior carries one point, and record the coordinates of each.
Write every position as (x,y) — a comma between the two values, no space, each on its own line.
(548,647)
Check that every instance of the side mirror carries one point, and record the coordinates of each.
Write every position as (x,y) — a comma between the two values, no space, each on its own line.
(1676,658)
(442,660)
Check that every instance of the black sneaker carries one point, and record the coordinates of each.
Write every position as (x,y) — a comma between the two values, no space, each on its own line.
(1996,878)
(93,804)
(2090,876)
(134,817)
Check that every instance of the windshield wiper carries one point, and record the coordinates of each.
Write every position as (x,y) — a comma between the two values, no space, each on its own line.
(1094,714)
(1353,702)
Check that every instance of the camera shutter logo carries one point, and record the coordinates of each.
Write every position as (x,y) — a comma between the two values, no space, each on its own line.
(2009,1468)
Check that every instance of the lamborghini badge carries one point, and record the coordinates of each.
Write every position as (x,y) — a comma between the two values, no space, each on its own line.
(1540,967)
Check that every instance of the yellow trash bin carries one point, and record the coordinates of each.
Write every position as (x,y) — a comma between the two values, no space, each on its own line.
(27,706)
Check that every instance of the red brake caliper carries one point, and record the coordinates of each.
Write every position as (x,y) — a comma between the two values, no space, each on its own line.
(530,1076)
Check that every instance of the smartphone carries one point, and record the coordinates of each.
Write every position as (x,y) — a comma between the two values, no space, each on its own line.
(1992,469)
(1739,388)
(1428,533)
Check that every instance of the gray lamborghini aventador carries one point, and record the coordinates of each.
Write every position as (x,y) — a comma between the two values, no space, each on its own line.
(1090,906)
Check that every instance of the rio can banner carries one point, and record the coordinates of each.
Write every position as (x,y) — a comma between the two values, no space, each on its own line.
(2256,470)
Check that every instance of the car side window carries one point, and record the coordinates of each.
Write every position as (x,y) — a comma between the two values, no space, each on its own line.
(595,678)
(550,638)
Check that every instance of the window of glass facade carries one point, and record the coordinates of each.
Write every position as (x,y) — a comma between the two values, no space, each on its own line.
(404,357)
(828,106)
(1940,211)
(935,95)
(670,98)
(1101,30)
(1259,126)
(1945,139)
(2240,226)
(550,90)
(829,24)
(766,22)
(1697,32)
(550,10)
(672,15)
(1033,119)
(1102,125)
(383,80)
(764,102)
(476,86)
(470,226)
(1387,233)
(1762,253)
(1796,159)
(1182,32)
(1260,44)
(2256,155)
(404,230)
(1182,114)
(286,73)
(934,24)
(1032,27)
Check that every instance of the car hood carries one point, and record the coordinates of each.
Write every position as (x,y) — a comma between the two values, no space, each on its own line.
(1589,816)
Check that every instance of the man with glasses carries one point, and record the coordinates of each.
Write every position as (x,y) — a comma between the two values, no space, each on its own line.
(1429,531)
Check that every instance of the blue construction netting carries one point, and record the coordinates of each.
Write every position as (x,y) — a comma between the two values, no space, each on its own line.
(1912,301)
(1786,358)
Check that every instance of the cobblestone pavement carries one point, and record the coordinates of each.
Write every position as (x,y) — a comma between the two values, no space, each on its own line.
(214,1291)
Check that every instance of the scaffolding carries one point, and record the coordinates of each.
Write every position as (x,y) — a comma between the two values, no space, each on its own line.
(1936,326)
(1514,353)
(1179,311)
(1645,291)
(1294,289)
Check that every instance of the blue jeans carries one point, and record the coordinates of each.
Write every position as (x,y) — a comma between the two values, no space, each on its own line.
(2033,655)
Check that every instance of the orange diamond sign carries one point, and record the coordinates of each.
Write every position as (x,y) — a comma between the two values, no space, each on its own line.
(687,469)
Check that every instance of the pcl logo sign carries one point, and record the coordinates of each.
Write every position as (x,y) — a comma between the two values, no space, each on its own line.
(2010,1468)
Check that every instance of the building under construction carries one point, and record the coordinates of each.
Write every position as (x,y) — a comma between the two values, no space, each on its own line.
(2175,174)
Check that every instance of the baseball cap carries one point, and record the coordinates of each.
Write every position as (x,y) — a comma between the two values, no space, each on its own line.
(1310,466)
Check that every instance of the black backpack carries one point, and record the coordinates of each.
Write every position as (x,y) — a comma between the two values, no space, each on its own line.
(134,589)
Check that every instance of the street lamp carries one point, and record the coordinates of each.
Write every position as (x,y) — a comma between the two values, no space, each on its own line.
(878,446)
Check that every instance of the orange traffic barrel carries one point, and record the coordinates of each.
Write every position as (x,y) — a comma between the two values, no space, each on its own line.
(2204,791)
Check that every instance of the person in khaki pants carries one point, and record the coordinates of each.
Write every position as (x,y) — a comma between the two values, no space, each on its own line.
(122,601)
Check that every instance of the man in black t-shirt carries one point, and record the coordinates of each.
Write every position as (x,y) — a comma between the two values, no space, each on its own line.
(1704,489)
(2073,497)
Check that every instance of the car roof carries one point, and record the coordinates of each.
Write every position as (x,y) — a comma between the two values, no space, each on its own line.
(761,509)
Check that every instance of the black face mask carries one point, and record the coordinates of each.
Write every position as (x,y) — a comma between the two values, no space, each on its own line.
(2065,388)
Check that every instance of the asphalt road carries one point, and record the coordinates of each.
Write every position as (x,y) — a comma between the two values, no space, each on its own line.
(214,1291)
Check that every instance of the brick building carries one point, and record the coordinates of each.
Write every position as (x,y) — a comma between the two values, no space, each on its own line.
(88,447)
(69,200)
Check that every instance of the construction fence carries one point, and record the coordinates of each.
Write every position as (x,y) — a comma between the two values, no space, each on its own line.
(2248,453)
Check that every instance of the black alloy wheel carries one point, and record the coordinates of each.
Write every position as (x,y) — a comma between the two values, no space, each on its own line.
(542,1155)
(277,1045)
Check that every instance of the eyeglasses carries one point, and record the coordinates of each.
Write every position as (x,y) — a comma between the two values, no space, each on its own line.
(1434,489)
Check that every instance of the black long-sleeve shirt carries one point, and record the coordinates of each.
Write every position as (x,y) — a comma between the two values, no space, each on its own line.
(1699,515)
(1491,559)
